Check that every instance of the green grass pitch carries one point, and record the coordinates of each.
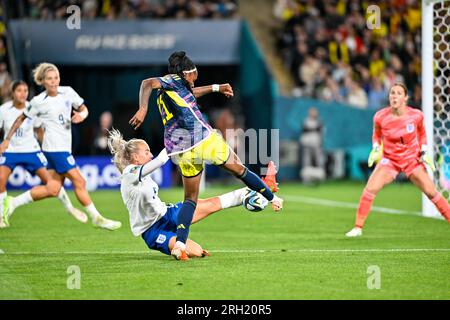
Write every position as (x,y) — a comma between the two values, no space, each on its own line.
(300,253)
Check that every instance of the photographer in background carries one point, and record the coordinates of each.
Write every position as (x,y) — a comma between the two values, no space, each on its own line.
(311,148)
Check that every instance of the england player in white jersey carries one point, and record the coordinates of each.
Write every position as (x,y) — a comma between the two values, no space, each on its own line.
(150,218)
(58,107)
(24,150)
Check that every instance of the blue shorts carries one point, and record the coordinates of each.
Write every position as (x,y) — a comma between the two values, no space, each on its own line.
(157,237)
(61,162)
(31,161)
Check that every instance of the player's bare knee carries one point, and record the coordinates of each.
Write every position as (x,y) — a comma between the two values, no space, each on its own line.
(53,188)
(430,193)
(240,169)
(236,169)
(373,189)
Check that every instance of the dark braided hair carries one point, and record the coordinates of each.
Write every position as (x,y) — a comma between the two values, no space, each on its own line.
(179,62)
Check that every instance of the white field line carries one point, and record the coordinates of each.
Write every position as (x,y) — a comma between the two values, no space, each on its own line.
(236,251)
(342,204)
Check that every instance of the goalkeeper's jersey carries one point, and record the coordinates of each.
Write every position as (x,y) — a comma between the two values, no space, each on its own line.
(184,125)
(402,136)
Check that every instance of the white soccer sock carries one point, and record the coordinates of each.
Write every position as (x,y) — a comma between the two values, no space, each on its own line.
(92,211)
(64,198)
(22,199)
(181,245)
(232,199)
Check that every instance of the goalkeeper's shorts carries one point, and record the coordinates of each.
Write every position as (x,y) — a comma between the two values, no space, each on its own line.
(407,166)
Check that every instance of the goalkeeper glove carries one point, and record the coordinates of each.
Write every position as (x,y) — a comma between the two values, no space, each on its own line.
(425,158)
(375,155)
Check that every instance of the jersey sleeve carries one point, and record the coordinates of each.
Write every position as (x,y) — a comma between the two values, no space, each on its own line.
(37,123)
(421,132)
(169,82)
(154,164)
(31,110)
(77,101)
(376,135)
(131,174)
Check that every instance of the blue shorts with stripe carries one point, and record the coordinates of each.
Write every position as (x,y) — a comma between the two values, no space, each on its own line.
(31,161)
(157,237)
(61,162)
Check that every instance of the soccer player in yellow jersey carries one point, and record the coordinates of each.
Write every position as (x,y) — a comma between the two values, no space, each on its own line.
(190,140)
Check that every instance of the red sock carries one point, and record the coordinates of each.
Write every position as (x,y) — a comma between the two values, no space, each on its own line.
(365,203)
(442,205)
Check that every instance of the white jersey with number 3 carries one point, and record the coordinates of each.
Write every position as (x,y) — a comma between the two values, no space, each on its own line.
(23,140)
(56,116)
(140,195)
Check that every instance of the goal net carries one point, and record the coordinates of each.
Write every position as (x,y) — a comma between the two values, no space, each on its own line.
(436,93)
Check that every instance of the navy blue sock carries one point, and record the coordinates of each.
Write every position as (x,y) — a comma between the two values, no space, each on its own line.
(255,183)
(184,220)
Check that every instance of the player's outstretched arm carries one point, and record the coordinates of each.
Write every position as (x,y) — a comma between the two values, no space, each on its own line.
(4,145)
(225,89)
(154,164)
(145,91)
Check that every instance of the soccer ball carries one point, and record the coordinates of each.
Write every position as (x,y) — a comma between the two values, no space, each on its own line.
(254,201)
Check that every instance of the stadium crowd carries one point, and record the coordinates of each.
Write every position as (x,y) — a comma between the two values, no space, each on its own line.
(132,9)
(110,10)
(105,9)
(336,51)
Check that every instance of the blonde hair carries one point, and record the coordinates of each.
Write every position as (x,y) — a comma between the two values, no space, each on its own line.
(121,149)
(41,70)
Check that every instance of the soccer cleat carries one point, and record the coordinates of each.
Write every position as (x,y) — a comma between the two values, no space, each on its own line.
(277,203)
(79,215)
(7,211)
(179,253)
(270,178)
(355,232)
(104,223)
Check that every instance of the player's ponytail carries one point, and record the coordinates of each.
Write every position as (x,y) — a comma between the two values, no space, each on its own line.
(121,149)
(41,70)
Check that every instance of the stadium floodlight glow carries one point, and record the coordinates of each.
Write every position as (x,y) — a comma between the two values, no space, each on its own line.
(436,93)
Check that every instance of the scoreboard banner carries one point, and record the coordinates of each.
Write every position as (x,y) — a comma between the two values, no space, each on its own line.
(98,171)
(101,42)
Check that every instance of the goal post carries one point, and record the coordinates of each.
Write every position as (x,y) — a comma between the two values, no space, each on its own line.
(436,94)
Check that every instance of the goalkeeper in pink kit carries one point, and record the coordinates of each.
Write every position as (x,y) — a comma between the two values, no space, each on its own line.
(399,145)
